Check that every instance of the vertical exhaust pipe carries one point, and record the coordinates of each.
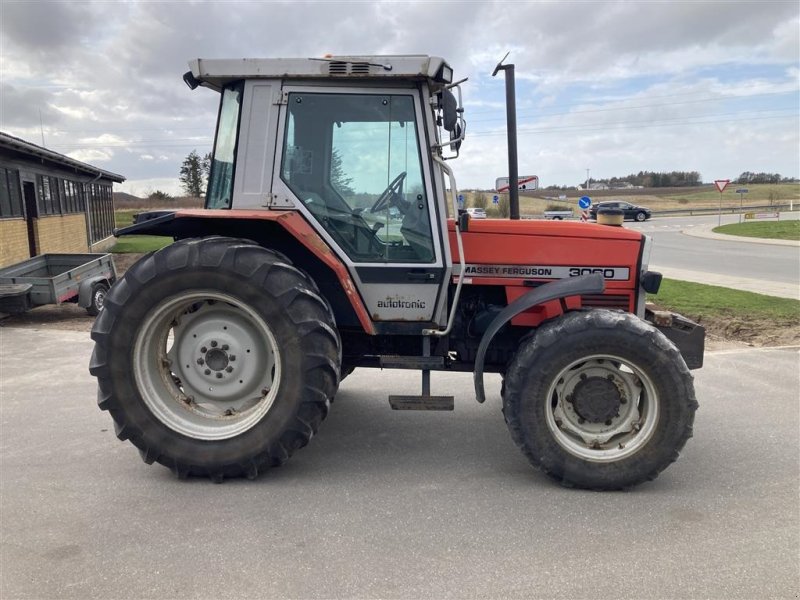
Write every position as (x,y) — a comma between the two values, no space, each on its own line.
(511,130)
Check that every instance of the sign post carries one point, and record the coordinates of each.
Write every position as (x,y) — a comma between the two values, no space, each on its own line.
(584,203)
(741,192)
(721,185)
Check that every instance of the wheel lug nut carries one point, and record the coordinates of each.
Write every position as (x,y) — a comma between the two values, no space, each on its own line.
(225,346)
(623,401)
(207,371)
(200,361)
(203,349)
(229,369)
(213,344)
(219,375)
(583,376)
(608,422)
(232,357)
(581,421)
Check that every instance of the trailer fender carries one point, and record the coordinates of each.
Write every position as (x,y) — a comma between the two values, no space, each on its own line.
(85,289)
(563,288)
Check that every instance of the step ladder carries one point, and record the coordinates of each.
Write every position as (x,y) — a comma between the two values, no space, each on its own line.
(426,362)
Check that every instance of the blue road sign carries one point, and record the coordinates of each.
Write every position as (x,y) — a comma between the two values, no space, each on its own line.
(741,191)
(585,202)
(495,199)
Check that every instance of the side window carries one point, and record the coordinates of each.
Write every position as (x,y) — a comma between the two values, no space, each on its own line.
(220,181)
(354,161)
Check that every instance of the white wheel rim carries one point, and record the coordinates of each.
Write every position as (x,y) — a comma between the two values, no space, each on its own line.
(206,365)
(615,437)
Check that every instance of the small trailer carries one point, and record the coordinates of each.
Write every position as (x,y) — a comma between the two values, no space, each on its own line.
(558,215)
(57,278)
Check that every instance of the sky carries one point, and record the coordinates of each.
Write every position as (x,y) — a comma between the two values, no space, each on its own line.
(615,87)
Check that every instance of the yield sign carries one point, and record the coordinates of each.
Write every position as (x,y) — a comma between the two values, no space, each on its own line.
(721,184)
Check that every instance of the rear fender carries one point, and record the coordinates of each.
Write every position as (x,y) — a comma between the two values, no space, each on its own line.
(253,224)
(574,286)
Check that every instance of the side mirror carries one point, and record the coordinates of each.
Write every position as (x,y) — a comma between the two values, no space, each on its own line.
(449,110)
(456,137)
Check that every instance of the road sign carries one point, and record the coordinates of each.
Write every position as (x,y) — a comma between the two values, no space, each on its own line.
(721,184)
(524,182)
(585,202)
(742,191)
(461,199)
(495,199)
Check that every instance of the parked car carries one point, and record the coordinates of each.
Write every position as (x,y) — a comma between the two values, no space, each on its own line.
(630,211)
(477,213)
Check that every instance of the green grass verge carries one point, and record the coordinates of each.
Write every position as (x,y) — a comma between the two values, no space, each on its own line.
(699,300)
(135,243)
(778,230)
(140,244)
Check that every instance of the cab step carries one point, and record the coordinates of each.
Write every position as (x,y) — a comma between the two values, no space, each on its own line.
(411,362)
(422,402)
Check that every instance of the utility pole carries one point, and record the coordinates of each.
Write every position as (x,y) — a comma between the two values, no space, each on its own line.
(587,180)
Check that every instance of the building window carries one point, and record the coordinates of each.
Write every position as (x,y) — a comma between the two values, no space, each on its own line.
(49,197)
(10,197)
(101,211)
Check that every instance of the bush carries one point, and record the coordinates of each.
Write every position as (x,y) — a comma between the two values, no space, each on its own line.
(479,200)
(159,196)
(503,208)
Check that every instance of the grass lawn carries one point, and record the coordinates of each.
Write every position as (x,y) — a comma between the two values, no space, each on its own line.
(140,244)
(135,243)
(778,230)
(699,300)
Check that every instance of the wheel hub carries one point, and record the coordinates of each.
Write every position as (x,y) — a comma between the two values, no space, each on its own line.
(217,359)
(596,399)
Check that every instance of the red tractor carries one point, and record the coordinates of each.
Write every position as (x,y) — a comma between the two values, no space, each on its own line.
(330,240)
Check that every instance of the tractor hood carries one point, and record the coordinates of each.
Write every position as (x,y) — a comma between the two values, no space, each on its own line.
(547,250)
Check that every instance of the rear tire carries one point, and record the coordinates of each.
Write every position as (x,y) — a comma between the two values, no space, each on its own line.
(640,216)
(216,357)
(599,400)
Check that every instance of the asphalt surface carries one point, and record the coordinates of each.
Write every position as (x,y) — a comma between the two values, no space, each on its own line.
(394,504)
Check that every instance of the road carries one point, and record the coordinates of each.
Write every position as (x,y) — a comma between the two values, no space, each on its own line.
(757,267)
(393,504)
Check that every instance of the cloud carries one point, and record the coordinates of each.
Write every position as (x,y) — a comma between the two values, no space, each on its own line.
(107,76)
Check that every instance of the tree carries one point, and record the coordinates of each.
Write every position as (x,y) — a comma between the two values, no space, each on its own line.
(194,174)
(339,179)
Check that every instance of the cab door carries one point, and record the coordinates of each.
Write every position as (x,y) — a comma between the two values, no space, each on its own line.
(352,163)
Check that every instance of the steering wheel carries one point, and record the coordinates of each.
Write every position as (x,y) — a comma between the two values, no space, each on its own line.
(393,194)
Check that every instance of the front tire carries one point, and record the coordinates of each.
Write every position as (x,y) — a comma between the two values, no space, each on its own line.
(599,400)
(641,217)
(216,357)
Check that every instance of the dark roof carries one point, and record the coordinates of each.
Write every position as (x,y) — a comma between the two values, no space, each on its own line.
(13,143)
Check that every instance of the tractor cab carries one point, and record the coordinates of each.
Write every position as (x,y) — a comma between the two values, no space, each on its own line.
(354,145)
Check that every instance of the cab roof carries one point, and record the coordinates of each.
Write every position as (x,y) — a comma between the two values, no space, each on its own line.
(216,73)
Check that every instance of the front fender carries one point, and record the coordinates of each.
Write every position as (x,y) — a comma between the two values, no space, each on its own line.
(574,286)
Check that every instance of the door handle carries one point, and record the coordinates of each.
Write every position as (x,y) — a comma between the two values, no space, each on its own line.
(420,276)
